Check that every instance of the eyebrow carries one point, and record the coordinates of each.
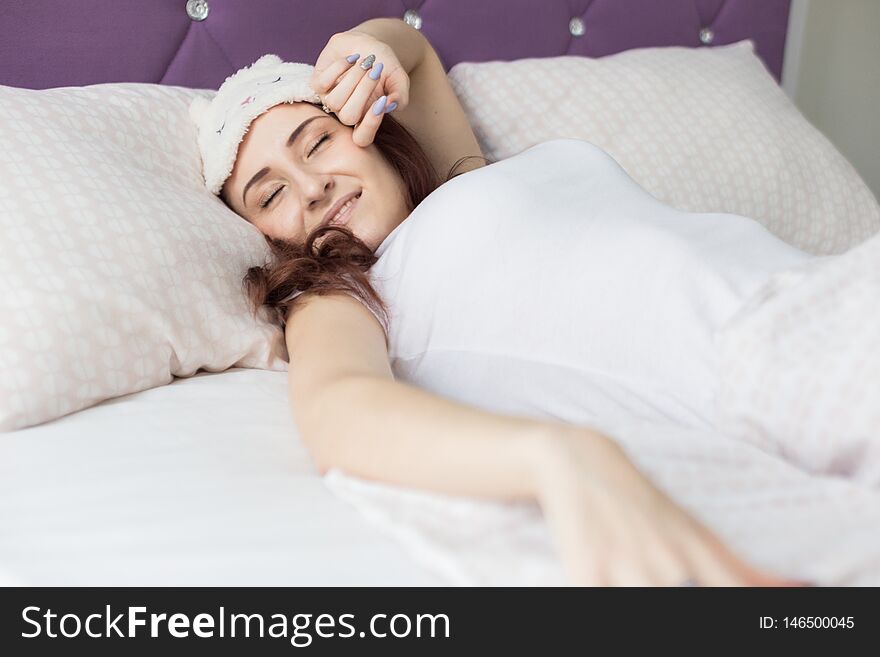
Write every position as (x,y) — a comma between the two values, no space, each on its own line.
(290,141)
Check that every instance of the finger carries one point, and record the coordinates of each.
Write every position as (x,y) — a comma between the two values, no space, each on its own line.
(632,573)
(768,580)
(365,131)
(396,85)
(713,573)
(668,567)
(323,81)
(396,92)
(378,91)
(585,571)
(338,96)
(713,564)
(746,573)
(757,577)
(390,106)
(356,105)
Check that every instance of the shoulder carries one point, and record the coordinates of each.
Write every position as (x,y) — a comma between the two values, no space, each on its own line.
(330,336)
(317,321)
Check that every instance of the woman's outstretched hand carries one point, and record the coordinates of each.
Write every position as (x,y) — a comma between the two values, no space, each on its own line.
(360,97)
(615,528)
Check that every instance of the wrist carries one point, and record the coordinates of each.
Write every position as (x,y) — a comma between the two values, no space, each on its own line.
(567,450)
(408,44)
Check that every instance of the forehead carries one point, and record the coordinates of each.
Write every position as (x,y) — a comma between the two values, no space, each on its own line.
(283,116)
(268,132)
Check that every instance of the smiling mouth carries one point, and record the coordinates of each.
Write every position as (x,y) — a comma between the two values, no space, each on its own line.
(345,212)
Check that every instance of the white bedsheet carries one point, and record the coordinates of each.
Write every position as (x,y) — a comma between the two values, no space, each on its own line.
(204,482)
(201,482)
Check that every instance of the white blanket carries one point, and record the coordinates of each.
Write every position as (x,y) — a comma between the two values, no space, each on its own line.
(800,366)
(551,285)
(776,517)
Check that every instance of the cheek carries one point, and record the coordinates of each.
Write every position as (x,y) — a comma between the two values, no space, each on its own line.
(267,225)
(393,188)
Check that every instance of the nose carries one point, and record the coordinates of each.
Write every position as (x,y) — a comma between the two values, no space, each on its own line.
(317,196)
(316,189)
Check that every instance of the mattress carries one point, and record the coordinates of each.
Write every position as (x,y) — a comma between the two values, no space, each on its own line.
(201,482)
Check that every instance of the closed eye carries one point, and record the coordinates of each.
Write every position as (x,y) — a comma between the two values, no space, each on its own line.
(321,139)
(265,202)
(268,200)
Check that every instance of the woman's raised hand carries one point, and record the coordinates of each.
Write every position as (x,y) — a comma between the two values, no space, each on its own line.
(615,528)
(360,96)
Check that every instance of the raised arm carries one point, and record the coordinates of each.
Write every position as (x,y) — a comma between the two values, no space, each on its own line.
(413,77)
(612,526)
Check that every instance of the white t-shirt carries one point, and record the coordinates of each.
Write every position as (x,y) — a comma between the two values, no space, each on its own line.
(551,285)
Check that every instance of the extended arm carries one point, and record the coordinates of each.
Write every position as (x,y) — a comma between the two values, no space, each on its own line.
(612,526)
(353,415)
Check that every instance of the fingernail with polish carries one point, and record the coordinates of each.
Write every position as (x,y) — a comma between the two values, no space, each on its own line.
(379,105)
(376,71)
(351,59)
(391,107)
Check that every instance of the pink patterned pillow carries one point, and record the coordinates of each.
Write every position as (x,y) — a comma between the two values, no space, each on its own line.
(118,270)
(705,130)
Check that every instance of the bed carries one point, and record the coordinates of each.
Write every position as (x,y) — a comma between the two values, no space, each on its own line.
(179,485)
(203,481)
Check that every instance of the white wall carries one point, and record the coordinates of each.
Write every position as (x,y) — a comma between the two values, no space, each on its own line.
(832,71)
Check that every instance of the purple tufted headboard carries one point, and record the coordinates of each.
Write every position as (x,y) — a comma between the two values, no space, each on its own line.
(50,43)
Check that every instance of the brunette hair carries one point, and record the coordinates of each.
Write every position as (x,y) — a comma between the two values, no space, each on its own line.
(341,260)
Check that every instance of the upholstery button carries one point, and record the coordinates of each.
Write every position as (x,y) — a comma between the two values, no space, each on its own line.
(197,9)
(412,18)
(576,27)
(707,36)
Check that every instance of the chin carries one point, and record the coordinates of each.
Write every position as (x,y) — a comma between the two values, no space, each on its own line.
(371,242)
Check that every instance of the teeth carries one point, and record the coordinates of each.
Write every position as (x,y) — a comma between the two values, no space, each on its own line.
(344,209)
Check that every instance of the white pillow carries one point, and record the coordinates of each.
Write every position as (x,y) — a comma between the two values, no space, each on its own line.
(117,269)
(550,284)
(706,130)
(801,366)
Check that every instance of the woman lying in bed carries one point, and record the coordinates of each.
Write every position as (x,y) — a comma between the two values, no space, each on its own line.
(333,160)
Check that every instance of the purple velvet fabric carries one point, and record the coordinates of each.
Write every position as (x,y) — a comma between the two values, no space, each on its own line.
(51,43)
